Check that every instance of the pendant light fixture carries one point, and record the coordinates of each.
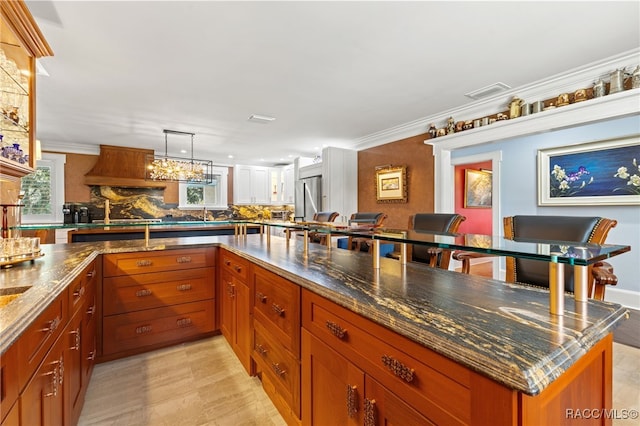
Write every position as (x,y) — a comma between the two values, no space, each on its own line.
(178,169)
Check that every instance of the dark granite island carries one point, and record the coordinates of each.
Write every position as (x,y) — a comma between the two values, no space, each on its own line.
(503,332)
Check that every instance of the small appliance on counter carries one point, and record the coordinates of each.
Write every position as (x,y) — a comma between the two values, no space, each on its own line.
(67,214)
(84,215)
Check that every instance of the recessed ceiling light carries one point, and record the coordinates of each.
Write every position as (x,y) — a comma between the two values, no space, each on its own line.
(183,151)
(261,118)
(229,156)
(486,91)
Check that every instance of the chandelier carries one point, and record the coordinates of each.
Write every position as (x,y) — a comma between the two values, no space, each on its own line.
(176,168)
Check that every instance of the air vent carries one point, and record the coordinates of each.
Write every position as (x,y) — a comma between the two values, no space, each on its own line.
(261,118)
(487,91)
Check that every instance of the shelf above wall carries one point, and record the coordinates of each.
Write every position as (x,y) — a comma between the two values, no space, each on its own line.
(618,105)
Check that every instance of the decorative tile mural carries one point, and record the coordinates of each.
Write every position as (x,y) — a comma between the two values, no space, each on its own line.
(148,203)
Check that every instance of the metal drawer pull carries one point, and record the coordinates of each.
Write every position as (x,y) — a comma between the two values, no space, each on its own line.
(277,309)
(91,356)
(79,292)
(238,268)
(352,401)
(76,345)
(144,263)
(183,259)
(261,297)
(143,329)
(227,262)
(61,370)
(183,322)
(183,287)
(91,310)
(370,414)
(91,274)
(398,368)
(261,349)
(52,325)
(336,330)
(277,369)
(143,293)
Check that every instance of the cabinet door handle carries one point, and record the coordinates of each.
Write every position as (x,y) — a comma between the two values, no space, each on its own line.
(54,380)
(143,293)
(143,263)
(91,310)
(227,262)
(76,337)
(183,259)
(278,309)
(237,268)
(143,329)
(277,369)
(183,287)
(260,297)
(398,368)
(352,400)
(261,349)
(91,274)
(231,290)
(370,412)
(91,356)
(183,322)
(336,330)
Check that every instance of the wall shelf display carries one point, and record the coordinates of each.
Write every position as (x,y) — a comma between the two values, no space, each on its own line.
(20,44)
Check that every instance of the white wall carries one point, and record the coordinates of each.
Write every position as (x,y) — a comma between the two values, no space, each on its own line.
(518,189)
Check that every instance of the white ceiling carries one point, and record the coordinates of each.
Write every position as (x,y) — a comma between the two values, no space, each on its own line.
(330,72)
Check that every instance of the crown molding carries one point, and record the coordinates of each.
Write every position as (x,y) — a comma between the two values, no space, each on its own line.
(70,147)
(567,82)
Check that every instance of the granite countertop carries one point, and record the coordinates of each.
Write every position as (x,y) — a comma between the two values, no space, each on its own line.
(502,331)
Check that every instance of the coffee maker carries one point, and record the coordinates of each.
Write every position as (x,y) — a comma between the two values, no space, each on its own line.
(67,214)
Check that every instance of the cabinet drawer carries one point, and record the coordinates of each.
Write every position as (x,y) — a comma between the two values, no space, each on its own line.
(146,291)
(38,338)
(430,383)
(281,366)
(277,308)
(157,261)
(81,286)
(156,326)
(234,264)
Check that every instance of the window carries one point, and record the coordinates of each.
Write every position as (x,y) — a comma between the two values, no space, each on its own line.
(212,196)
(44,190)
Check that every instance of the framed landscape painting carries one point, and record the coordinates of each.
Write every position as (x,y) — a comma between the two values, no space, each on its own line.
(391,185)
(598,173)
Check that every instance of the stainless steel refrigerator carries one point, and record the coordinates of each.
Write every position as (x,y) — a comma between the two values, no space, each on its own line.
(308,197)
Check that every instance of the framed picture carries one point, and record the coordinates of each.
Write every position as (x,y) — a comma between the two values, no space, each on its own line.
(605,172)
(477,188)
(391,185)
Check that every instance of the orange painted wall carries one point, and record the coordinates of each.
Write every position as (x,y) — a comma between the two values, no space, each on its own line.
(410,152)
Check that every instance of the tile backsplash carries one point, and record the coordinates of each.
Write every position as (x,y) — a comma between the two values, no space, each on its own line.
(148,203)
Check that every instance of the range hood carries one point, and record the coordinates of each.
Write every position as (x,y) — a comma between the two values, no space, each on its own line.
(121,167)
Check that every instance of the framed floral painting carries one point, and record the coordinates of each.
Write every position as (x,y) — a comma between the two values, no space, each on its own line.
(598,173)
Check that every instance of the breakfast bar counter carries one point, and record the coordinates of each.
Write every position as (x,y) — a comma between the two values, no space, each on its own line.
(505,332)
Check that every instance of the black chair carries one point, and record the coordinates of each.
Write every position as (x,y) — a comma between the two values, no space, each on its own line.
(437,223)
(555,228)
(318,237)
(364,221)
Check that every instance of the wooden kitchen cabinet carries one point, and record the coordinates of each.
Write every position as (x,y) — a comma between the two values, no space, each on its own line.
(21,42)
(42,401)
(9,385)
(153,299)
(80,345)
(276,347)
(235,292)
(333,386)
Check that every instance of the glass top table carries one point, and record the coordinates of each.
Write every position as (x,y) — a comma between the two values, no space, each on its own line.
(558,253)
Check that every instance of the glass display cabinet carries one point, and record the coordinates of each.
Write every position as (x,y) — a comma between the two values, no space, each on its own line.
(21,42)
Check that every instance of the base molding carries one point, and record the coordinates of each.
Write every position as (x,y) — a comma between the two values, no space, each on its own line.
(626,298)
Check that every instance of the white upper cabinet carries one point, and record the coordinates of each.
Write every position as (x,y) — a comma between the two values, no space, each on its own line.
(251,185)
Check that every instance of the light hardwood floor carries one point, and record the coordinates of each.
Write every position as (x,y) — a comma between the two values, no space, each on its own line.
(202,383)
